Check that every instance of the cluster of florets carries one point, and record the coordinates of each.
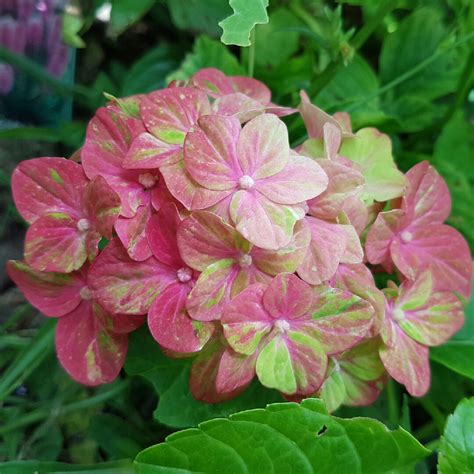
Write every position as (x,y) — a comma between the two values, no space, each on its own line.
(189,209)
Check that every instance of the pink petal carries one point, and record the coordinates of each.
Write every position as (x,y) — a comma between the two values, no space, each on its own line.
(380,236)
(210,152)
(360,392)
(326,250)
(214,82)
(294,363)
(332,140)
(125,323)
(339,319)
(427,199)
(287,297)
(238,105)
(235,371)
(171,326)
(204,238)
(344,183)
(286,259)
(407,362)
(54,294)
(148,152)
(169,113)
(187,191)
(56,243)
(262,222)
(123,285)
(131,232)
(356,212)
(245,321)
(301,179)
(353,252)
(204,372)
(160,195)
(89,352)
(108,138)
(251,87)
(161,232)
(314,118)
(44,185)
(280,111)
(212,291)
(102,206)
(439,248)
(263,147)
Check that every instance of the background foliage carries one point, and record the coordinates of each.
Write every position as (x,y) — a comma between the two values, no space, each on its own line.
(405,67)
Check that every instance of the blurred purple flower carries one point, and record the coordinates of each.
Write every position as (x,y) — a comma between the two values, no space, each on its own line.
(32,28)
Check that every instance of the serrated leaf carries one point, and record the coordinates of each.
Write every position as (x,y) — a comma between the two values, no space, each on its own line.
(247,13)
(282,438)
(456,450)
(177,407)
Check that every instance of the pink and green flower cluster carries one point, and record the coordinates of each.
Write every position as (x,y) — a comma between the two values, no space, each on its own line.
(189,210)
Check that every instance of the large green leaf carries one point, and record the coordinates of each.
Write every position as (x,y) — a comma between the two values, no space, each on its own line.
(282,438)
(416,39)
(456,450)
(200,16)
(127,12)
(207,53)
(458,353)
(247,13)
(177,407)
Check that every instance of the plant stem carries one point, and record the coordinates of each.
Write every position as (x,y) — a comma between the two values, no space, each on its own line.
(45,412)
(393,414)
(433,445)
(359,39)
(80,93)
(251,61)
(28,359)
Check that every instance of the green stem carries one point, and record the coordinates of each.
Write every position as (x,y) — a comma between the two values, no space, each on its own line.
(464,85)
(18,315)
(28,359)
(410,73)
(80,93)
(438,418)
(359,39)
(433,445)
(393,413)
(251,62)
(49,411)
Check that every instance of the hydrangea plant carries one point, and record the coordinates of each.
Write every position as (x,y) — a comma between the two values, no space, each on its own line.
(190,210)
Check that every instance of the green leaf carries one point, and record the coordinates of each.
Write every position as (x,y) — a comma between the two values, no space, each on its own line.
(72,24)
(372,151)
(177,407)
(45,467)
(417,38)
(458,353)
(284,437)
(247,13)
(201,16)
(127,12)
(276,41)
(115,436)
(456,450)
(207,53)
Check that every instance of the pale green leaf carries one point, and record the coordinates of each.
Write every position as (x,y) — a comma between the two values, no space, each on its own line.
(247,13)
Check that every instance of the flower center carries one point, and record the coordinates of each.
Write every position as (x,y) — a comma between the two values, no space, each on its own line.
(398,314)
(184,274)
(85,293)
(147,180)
(83,225)
(246,182)
(282,325)
(245,260)
(406,236)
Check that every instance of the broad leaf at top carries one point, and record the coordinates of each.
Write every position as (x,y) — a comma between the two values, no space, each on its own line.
(284,438)
(247,13)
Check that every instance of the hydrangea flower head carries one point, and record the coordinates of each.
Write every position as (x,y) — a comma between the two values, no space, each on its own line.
(254,259)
